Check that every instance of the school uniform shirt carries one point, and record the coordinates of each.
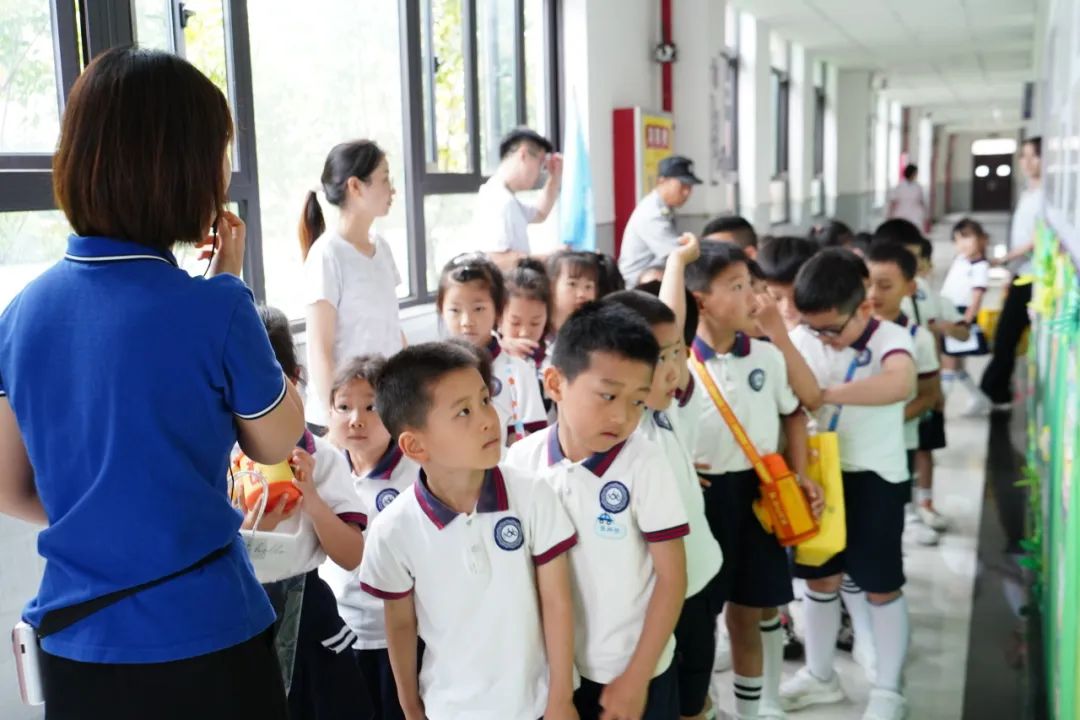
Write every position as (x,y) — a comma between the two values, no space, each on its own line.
(515,394)
(703,555)
(126,376)
(1022,227)
(648,239)
(619,502)
(753,379)
(472,578)
(964,277)
(927,366)
(871,436)
(363,291)
(501,221)
(391,476)
(928,306)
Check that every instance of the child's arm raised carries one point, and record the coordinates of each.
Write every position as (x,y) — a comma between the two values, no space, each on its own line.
(673,284)
(401,643)
(343,542)
(894,384)
(799,375)
(557,615)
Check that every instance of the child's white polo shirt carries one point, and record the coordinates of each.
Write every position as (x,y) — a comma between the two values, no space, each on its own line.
(515,393)
(753,380)
(964,277)
(927,366)
(392,475)
(871,436)
(619,501)
(473,581)
(703,555)
(928,305)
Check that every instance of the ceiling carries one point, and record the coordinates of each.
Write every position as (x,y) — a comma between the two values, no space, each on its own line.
(964,61)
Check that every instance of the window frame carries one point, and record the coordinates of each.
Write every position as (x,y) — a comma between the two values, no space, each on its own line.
(781,155)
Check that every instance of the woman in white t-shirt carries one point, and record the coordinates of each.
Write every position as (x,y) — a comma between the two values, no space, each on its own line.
(906,200)
(350,278)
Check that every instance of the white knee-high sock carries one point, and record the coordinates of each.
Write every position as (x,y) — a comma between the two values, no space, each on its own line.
(821,626)
(772,645)
(858,608)
(747,696)
(891,634)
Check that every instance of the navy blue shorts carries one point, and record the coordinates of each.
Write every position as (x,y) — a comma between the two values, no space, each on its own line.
(663,702)
(874,509)
(695,651)
(755,570)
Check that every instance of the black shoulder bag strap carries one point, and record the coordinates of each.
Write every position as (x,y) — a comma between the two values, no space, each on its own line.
(63,618)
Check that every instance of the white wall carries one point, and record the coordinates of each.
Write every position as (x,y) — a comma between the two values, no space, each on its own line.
(854,114)
(801,134)
(755,130)
(832,139)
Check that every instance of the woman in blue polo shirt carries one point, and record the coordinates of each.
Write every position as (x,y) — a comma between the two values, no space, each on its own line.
(124,382)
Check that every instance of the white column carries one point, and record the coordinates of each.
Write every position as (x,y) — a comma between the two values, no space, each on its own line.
(755,127)
(853,116)
(832,166)
(800,134)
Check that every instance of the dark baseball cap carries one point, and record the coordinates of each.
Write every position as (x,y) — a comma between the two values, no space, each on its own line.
(679,167)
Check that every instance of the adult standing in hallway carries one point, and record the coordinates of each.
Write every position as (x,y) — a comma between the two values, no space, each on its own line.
(908,202)
(124,384)
(501,222)
(650,233)
(996,381)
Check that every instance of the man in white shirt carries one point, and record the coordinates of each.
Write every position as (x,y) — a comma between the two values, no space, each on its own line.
(996,381)
(907,201)
(501,220)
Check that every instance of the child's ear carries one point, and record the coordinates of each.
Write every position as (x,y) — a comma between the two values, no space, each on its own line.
(412,447)
(554,382)
(699,298)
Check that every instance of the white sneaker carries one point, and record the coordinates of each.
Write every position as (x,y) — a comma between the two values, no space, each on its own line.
(863,655)
(978,406)
(805,690)
(771,712)
(885,705)
(931,518)
(722,658)
(924,534)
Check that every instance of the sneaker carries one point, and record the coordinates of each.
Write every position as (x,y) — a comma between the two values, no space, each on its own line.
(885,705)
(924,534)
(845,639)
(864,657)
(793,646)
(978,406)
(931,518)
(770,712)
(804,690)
(722,659)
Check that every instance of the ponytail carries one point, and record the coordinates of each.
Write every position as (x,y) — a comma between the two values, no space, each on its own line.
(312,224)
(355,159)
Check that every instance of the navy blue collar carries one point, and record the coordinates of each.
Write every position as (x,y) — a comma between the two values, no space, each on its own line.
(493,347)
(91,249)
(683,396)
(705,352)
(492,498)
(902,321)
(384,469)
(597,463)
(862,340)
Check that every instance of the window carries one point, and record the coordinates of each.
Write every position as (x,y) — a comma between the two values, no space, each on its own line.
(778,187)
(29,106)
(817,189)
(726,75)
(29,243)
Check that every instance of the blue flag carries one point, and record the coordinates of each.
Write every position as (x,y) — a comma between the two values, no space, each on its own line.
(577,219)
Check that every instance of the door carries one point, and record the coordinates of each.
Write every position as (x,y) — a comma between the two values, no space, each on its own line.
(991,182)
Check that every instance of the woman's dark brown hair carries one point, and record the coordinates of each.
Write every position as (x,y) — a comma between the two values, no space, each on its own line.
(141,150)
(357,159)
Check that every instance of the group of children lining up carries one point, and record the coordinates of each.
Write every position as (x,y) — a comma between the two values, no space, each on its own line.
(543,516)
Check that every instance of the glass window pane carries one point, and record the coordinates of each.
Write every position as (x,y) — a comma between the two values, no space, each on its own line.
(30,242)
(536,81)
(448,224)
(153,24)
(204,41)
(321,78)
(443,65)
(29,105)
(496,77)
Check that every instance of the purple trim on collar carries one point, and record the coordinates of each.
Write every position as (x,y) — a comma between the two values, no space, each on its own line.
(705,352)
(597,463)
(539,353)
(493,347)
(493,498)
(683,396)
(384,469)
(861,342)
(902,321)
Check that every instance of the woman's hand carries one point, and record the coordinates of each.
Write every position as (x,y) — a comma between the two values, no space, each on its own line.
(228,257)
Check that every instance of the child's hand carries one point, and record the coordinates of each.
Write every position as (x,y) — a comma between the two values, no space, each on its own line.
(303,465)
(689,249)
(767,316)
(624,698)
(273,516)
(561,710)
(519,347)
(815,495)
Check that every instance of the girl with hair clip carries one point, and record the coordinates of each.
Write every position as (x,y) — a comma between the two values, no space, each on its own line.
(471,300)
(350,277)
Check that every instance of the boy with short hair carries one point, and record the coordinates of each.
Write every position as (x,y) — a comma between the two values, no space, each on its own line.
(780,260)
(732,229)
(867,373)
(629,566)
(752,377)
(476,548)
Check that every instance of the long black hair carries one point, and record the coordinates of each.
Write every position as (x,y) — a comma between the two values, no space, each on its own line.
(356,159)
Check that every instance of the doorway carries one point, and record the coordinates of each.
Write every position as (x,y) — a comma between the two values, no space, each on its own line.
(991,182)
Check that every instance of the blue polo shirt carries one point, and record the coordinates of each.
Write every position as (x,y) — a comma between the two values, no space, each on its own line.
(126,376)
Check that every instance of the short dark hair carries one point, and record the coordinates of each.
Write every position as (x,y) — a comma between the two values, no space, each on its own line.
(1036,143)
(281,340)
(781,257)
(529,279)
(926,249)
(470,267)
(608,277)
(862,242)
(140,151)
(715,258)
(911,171)
(512,140)
(403,388)
(896,254)
(575,263)
(651,308)
(899,231)
(739,227)
(755,270)
(832,234)
(690,326)
(603,327)
(354,159)
(834,279)
(969,226)
(362,367)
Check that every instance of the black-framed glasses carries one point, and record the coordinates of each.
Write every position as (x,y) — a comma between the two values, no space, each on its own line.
(832,332)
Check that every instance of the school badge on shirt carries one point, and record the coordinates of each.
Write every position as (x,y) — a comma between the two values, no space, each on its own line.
(757,379)
(864,357)
(508,534)
(384,498)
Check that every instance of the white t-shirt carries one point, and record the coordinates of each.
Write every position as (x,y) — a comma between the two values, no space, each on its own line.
(964,277)
(871,436)
(927,366)
(473,579)
(501,221)
(363,612)
(669,431)
(1028,211)
(930,305)
(619,501)
(909,203)
(753,379)
(515,393)
(333,481)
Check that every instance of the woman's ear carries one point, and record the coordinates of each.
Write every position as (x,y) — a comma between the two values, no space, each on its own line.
(554,381)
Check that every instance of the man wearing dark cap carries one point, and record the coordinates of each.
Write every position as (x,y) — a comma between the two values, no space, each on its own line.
(501,221)
(650,234)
